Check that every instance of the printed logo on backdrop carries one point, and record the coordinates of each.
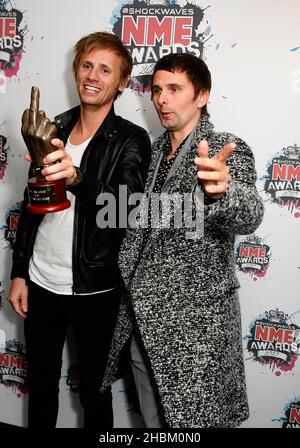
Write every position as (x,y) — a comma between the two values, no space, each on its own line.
(72,379)
(12,31)
(3,155)
(282,183)
(13,367)
(152,29)
(252,256)
(274,342)
(292,414)
(11,223)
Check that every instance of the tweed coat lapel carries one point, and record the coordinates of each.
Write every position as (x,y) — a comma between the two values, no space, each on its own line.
(183,179)
(185,174)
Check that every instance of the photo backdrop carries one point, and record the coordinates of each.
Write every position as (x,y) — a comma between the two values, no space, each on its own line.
(252,48)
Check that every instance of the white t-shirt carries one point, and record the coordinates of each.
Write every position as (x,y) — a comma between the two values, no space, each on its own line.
(51,262)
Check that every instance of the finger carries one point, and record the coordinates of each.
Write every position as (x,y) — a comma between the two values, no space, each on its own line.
(25,122)
(49,132)
(34,105)
(216,189)
(215,176)
(202,149)
(20,312)
(42,125)
(225,153)
(40,115)
(24,304)
(54,156)
(57,142)
(16,305)
(53,168)
(53,131)
(28,157)
(58,171)
(58,152)
(62,169)
(35,98)
(209,164)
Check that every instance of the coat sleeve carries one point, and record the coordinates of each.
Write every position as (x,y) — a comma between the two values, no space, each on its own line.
(130,171)
(241,209)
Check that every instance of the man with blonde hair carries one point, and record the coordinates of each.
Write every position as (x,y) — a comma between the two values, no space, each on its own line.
(65,270)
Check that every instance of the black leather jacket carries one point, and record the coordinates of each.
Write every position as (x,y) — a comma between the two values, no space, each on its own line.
(118,154)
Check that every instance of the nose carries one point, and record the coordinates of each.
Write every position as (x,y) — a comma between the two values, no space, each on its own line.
(162,98)
(93,73)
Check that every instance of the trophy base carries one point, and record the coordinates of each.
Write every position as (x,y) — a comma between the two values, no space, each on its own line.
(47,197)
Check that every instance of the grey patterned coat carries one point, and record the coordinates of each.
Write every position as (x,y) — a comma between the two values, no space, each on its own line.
(182,293)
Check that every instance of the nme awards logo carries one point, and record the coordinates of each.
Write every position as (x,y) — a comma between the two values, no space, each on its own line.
(282,182)
(252,256)
(11,224)
(11,40)
(274,341)
(151,29)
(73,378)
(292,414)
(13,367)
(3,155)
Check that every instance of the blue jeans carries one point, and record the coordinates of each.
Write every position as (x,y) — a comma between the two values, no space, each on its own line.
(92,319)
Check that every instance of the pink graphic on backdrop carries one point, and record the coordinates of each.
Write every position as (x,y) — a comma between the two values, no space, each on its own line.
(3,155)
(13,367)
(282,183)
(14,70)
(11,223)
(152,29)
(291,412)
(12,31)
(252,256)
(274,342)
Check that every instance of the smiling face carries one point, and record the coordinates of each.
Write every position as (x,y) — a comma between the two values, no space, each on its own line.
(173,96)
(98,78)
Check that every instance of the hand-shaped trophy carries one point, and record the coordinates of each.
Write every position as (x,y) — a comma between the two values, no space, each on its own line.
(37,131)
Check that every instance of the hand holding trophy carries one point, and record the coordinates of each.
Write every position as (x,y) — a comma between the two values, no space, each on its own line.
(38,132)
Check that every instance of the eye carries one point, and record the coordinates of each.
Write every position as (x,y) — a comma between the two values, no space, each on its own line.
(86,65)
(106,71)
(155,91)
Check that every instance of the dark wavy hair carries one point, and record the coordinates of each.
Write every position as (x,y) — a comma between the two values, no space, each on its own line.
(195,68)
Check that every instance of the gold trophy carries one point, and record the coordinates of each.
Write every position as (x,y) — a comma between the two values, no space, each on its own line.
(37,132)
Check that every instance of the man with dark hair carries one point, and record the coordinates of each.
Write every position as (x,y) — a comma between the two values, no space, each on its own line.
(65,270)
(186,346)
(194,68)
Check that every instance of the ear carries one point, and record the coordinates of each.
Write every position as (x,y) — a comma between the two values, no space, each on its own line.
(202,98)
(123,83)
